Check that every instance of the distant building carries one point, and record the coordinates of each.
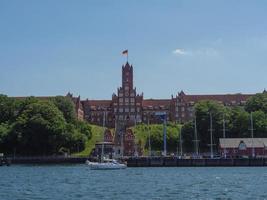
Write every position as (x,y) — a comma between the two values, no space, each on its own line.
(243,147)
(129,107)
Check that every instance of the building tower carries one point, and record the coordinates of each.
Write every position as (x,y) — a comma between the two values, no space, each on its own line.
(127,107)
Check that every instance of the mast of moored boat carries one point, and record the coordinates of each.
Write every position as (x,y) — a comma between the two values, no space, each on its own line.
(102,149)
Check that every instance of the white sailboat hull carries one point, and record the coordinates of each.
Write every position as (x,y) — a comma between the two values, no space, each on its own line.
(105,166)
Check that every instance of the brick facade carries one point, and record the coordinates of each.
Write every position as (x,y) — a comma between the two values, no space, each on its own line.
(127,107)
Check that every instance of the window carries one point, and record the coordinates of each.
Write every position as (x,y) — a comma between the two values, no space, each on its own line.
(121,110)
(182,109)
(126,109)
(120,94)
(132,110)
(126,100)
(242,146)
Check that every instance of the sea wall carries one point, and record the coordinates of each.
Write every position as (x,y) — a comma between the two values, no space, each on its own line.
(175,162)
(149,161)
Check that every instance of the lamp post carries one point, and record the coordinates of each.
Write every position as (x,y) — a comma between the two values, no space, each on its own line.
(163,116)
(211,137)
(149,139)
(104,123)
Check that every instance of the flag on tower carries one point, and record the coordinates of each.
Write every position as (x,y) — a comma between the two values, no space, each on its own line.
(125,52)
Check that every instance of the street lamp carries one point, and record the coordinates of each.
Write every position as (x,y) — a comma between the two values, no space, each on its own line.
(211,137)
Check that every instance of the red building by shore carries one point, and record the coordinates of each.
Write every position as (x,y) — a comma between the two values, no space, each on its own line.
(243,147)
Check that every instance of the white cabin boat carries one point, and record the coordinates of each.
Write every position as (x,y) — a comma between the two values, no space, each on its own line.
(106,164)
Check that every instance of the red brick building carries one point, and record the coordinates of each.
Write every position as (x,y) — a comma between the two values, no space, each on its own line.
(129,107)
(243,147)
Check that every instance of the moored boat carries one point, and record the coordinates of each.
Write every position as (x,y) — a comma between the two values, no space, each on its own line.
(106,164)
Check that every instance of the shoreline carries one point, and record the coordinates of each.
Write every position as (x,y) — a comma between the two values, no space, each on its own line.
(151,161)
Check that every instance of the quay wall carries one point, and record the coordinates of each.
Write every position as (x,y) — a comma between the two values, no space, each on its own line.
(149,161)
(48,160)
(207,162)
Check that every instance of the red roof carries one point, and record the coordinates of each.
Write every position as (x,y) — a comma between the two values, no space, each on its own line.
(97,102)
(156,102)
(217,97)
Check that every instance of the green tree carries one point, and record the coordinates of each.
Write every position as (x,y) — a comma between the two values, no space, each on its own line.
(38,130)
(84,128)
(66,106)
(187,137)
(239,123)
(204,111)
(257,102)
(8,108)
(260,124)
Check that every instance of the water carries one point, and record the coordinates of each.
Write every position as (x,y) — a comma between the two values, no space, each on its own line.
(65,182)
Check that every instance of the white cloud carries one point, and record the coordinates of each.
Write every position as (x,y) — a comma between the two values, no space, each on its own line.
(197,52)
(179,52)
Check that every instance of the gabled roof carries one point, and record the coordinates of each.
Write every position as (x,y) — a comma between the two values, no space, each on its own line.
(249,142)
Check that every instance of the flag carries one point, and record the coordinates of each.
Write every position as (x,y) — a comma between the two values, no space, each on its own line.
(125,52)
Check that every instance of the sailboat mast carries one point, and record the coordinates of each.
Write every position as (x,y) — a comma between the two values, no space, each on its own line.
(104,123)
(211,137)
(195,136)
(224,135)
(252,135)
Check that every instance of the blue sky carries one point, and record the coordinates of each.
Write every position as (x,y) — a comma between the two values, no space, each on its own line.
(202,47)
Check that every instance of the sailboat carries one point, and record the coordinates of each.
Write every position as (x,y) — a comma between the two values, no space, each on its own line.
(105,164)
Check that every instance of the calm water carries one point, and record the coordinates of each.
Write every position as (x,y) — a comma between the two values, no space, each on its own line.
(78,182)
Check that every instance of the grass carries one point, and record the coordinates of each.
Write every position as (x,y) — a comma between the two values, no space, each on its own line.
(97,136)
(141,136)
(156,134)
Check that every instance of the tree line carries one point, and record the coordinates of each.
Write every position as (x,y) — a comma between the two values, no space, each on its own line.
(237,122)
(33,126)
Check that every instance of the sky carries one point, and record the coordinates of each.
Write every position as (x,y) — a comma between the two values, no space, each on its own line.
(53,47)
